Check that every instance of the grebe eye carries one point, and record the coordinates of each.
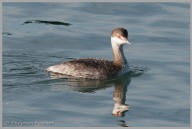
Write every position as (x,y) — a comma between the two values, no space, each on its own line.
(119,36)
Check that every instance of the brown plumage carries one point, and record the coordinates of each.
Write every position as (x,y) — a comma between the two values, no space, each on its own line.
(98,68)
(88,68)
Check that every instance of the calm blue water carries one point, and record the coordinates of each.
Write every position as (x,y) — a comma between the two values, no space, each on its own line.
(157,89)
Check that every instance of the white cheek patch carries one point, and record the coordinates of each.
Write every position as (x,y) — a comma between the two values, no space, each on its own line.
(116,40)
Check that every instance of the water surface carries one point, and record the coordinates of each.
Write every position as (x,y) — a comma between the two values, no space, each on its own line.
(157,89)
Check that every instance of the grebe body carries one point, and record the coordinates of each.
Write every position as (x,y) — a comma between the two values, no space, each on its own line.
(98,68)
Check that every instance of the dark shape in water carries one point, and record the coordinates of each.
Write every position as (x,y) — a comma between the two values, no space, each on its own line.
(46,22)
(6,33)
(123,123)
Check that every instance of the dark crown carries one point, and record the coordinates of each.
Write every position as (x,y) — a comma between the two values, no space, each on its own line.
(119,31)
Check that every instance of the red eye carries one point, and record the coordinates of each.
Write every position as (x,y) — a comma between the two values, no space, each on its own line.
(119,36)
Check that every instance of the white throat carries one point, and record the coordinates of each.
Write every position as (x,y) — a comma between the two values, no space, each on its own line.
(118,54)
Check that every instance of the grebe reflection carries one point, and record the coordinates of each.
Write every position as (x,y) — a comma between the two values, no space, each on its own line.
(86,86)
(119,97)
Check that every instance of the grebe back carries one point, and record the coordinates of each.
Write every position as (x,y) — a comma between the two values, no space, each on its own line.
(98,68)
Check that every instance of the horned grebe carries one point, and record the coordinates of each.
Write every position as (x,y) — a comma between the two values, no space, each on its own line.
(98,68)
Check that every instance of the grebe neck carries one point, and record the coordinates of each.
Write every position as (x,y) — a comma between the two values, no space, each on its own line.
(119,57)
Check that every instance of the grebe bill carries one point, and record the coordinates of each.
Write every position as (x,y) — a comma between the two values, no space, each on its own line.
(98,68)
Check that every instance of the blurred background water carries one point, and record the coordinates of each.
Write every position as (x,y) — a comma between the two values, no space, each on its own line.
(159,33)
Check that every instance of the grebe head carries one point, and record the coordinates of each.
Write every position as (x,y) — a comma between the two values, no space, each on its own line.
(119,36)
